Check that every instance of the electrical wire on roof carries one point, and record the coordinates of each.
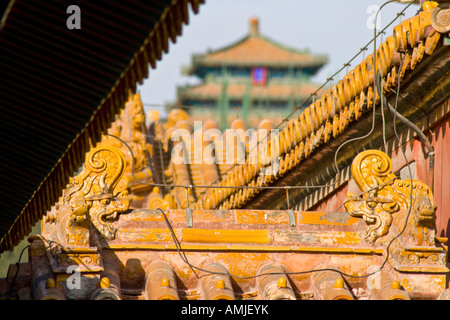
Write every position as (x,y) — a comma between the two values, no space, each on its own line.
(329,81)
(377,88)
(186,260)
(286,119)
(378,85)
(193,267)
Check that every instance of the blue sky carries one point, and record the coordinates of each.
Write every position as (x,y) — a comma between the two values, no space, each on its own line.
(336,28)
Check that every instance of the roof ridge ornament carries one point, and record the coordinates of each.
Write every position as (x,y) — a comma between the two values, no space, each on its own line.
(94,196)
(254,27)
(386,197)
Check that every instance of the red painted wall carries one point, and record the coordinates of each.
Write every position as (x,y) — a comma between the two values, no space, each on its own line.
(441,144)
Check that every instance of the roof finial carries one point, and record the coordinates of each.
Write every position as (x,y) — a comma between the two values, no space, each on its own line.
(254,26)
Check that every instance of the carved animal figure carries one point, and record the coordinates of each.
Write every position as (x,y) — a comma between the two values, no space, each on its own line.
(385,195)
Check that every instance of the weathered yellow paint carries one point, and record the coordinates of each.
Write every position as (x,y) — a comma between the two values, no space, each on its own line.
(130,247)
(254,248)
(406,284)
(439,281)
(243,264)
(145,215)
(179,216)
(246,217)
(225,236)
(424,269)
(250,248)
(341,238)
(324,218)
(262,216)
(353,263)
(346,238)
(339,250)
(180,267)
(147,235)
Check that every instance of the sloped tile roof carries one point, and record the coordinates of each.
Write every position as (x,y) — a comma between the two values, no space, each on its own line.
(260,51)
(345,103)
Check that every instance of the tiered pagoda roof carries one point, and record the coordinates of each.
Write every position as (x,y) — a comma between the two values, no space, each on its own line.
(230,71)
(256,49)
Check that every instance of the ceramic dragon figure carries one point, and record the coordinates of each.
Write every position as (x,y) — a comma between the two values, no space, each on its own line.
(386,199)
(93,198)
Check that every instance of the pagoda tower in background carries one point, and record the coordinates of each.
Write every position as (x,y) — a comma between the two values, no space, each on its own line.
(252,79)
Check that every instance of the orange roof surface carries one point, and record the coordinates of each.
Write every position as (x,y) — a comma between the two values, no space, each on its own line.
(256,49)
